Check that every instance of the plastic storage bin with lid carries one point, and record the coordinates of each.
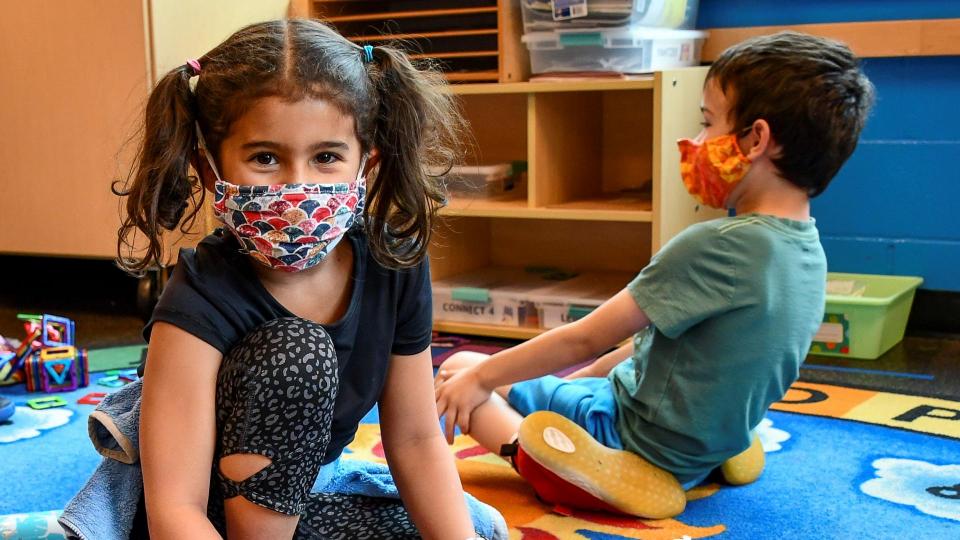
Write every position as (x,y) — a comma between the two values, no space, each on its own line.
(546,15)
(532,298)
(496,296)
(575,298)
(865,314)
(488,181)
(622,50)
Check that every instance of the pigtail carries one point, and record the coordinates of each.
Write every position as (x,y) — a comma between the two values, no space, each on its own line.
(417,129)
(160,189)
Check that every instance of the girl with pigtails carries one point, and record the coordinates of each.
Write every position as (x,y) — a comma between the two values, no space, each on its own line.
(280,331)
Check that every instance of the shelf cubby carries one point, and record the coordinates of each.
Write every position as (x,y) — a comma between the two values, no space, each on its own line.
(603,190)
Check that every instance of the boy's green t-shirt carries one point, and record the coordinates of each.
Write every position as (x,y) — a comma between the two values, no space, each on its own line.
(734,304)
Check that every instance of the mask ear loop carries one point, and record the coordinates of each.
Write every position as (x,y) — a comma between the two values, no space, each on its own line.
(740,135)
(358,216)
(202,145)
(744,132)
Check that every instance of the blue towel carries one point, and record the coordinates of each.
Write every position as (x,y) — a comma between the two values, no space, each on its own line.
(105,507)
(359,477)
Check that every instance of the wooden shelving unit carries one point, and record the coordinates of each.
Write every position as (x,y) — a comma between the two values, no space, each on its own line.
(603,190)
(486,330)
(471,40)
(603,208)
(639,82)
(347,6)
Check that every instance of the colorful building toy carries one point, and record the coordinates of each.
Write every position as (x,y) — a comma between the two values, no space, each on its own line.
(93,398)
(47,359)
(46,402)
(57,331)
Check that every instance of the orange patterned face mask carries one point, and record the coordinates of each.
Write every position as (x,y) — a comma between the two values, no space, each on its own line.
(712,168)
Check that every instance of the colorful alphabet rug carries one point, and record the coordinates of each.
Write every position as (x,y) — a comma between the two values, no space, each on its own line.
(841,463)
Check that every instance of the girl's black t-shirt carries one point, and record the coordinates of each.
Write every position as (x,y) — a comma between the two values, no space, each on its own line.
(215,295)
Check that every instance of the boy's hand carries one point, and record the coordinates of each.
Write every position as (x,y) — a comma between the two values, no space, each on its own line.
(458,394)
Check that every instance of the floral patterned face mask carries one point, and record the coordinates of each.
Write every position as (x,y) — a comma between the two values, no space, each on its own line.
(711,169)
(289,227)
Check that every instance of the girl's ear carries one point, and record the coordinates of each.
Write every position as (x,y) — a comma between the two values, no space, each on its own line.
(760,141)
(373,159)
(200,164)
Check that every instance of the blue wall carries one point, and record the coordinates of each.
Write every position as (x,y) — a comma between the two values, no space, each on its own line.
(892,208)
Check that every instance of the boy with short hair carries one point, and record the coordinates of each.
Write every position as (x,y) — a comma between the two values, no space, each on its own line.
(721,318)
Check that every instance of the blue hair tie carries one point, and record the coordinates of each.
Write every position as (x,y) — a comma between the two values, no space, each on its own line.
(368,53)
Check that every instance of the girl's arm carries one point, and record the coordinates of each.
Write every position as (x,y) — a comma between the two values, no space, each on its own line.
(568,345)
(177,432)
(417,453)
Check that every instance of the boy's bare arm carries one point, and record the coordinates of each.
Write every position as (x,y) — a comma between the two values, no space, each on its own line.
(611,323)
(601,366)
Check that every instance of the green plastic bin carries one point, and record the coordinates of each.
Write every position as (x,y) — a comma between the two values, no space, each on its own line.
(868,320)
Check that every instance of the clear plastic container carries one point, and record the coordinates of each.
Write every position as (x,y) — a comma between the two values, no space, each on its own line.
(486,181)
(498,296)
(517,297)
(545,15)
(575,298)
(865,314)
(620,50)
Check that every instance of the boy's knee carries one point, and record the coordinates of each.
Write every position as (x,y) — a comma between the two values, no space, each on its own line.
(463,359)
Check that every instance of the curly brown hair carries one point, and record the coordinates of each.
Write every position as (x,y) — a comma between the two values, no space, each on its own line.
(402,109)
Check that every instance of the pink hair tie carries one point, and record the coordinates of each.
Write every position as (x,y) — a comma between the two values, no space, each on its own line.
(194,65)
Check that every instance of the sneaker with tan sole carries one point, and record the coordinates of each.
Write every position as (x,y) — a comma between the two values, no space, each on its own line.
(569,469)
(746,466)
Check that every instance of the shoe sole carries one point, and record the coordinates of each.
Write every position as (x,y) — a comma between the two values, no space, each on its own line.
(745,467)
(619,478)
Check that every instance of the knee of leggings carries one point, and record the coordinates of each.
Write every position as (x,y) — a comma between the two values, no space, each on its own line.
(288,345)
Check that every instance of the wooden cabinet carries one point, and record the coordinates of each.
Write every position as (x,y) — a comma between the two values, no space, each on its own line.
(603,189)
(76,75)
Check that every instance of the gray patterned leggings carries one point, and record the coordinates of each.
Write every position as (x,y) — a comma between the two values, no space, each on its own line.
(275,395)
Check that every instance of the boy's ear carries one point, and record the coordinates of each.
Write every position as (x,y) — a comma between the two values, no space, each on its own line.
(760,141)
(204,171)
